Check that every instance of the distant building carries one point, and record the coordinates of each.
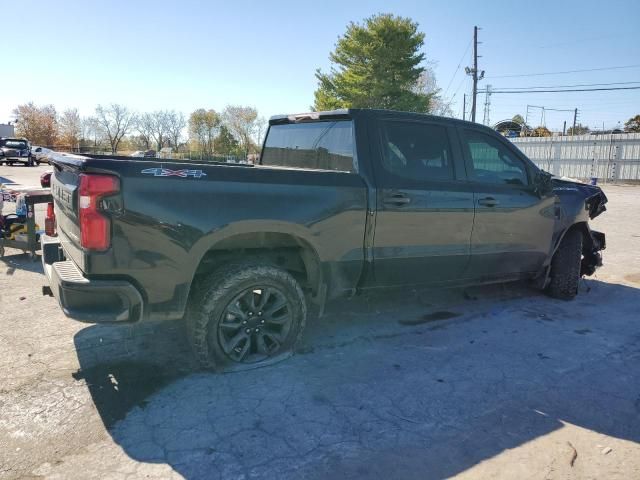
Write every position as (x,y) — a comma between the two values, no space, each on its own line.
(7,130)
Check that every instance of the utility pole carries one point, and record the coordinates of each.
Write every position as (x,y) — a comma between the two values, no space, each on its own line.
(464,106)
(564,128)
(575,118)
(474,74)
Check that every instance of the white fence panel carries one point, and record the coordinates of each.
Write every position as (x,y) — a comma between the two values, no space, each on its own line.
(607,157)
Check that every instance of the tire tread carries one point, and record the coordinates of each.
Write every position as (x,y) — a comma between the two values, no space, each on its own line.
(565,267)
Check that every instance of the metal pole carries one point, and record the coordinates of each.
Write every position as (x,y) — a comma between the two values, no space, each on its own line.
(575,117)
(464,107)
(475,73)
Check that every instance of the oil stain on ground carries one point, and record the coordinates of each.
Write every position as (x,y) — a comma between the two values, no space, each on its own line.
(430,317)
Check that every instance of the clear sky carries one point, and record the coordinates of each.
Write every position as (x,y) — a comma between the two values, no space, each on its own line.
(188,54)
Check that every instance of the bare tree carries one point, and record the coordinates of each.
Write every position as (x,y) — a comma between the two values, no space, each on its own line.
(261,129)
(160,127)
(92,133)
(145,126)
(70,128)
(116,121)
(427,85)
(241,121)
(176,124)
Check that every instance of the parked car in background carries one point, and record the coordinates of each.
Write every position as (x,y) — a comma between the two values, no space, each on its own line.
(143,154)
(15,150)
(40,154)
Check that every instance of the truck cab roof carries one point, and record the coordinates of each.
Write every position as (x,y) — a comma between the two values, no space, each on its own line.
(347,113)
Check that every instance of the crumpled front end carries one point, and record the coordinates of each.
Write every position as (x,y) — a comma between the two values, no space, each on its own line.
(593,197)
(579,203)
(591,256)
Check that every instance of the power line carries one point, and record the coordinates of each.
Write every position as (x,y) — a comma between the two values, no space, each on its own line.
(464,55)
(566,71)
(457,89)
(571,86)
(565,90)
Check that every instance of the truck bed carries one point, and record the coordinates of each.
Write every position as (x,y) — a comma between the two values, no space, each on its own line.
(169,215)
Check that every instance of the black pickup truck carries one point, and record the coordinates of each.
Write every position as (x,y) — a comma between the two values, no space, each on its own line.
(340,202)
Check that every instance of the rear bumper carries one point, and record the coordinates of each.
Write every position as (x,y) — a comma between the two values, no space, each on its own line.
(88,300)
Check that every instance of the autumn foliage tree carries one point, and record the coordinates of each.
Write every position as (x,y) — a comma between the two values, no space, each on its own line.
(204,126)
(541,131)
(632,125)
(37,124)
(242,122)
(70,128)
(376,64)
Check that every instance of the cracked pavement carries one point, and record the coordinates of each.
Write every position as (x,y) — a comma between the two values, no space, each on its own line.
(491,382)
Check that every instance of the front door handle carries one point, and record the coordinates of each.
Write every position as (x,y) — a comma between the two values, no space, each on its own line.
(396,199)
(488,202)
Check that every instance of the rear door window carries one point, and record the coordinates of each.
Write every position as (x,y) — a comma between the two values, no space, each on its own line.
(315,145)
(417,151)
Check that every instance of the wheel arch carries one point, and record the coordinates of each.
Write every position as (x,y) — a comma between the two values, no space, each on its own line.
(583,228)
(280,247)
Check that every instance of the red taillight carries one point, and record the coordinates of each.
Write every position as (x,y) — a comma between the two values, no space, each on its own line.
(95,228)
(50,221)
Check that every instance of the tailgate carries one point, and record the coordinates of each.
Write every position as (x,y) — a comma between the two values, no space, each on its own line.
(64,188)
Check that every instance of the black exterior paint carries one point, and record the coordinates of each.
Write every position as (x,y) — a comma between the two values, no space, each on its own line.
(162,227)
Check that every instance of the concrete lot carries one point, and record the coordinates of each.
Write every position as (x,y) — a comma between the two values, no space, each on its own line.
(492,382)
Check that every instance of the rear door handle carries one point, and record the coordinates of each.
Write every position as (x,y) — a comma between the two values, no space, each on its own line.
(488,202)
(396,199)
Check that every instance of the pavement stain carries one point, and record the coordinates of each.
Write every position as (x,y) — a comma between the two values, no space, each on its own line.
(582,331)
(430,317)
(633,277)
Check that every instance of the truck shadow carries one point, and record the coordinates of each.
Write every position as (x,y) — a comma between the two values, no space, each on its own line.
(383,387)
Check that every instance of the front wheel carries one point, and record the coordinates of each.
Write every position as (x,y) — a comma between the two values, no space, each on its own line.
(245,315)
(565,267)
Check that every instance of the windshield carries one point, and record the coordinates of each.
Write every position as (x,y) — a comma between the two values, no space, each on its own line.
(14,144)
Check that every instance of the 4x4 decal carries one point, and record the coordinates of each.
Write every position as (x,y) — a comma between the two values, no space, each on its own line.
(165,172)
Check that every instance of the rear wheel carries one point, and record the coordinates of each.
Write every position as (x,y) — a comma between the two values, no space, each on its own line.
(245,315)
(565,267)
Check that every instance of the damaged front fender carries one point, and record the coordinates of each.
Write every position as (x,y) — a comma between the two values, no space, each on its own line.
(572,194)
(576,204)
